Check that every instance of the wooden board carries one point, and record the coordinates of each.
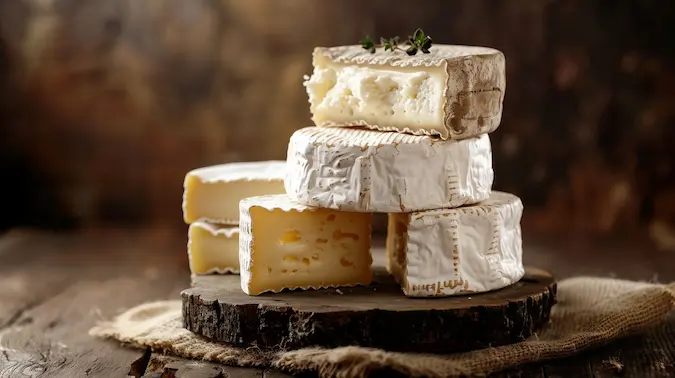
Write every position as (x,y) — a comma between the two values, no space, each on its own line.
(377,316)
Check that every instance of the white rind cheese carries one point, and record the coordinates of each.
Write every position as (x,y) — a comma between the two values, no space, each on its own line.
(213,249)
(454,91)
(286,245)
(446,252)
(371,171)
(213,193)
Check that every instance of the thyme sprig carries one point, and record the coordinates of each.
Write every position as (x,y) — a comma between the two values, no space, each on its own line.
(416,42)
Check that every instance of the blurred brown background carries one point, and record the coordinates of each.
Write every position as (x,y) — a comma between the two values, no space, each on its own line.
(106,104)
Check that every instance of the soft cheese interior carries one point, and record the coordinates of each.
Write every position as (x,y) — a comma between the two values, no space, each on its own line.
(213,193)
(218,202)
(404,98)
(302,248)
(213,249)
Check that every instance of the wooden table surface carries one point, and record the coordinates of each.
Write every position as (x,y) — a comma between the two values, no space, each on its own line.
(54,287)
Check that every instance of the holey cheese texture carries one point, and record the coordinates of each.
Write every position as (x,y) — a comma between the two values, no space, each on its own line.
(445,252)
(354,169)
(454,91)
(213,193)
(213,249)
(286,245)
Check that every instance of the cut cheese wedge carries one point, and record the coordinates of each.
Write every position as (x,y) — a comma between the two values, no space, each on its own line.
(213,193)
(285,245)
(454,91)
(445,252)
(213,249)
(371,171)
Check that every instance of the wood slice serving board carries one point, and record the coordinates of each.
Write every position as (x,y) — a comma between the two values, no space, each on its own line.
(377,316)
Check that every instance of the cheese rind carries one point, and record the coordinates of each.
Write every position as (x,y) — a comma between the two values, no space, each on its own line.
(454,91)
(286,245)
(213,249)
(371,171)
(446,252)
(213,193)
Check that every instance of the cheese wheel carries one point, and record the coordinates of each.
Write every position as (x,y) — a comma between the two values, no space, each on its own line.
(444,252)
(453,91)
(371,171)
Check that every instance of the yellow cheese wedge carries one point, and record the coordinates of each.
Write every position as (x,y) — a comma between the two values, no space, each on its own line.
(213,193)
(286,245)
(213,249)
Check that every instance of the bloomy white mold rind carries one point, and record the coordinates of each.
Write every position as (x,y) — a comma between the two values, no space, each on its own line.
(368,171)
(472,249)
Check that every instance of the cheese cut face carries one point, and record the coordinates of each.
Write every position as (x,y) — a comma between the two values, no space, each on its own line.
(454,91)
(446,252)
(285,245)
(371,171)
(213,193)
(213,249)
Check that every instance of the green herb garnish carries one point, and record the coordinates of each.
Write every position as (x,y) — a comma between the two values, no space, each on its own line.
(368,44)
(416,42)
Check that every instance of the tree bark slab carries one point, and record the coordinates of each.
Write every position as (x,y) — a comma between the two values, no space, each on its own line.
(378,315)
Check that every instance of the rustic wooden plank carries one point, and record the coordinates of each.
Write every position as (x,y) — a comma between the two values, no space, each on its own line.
(608,361)
(162,365)
(139,366)
(231,371)
(21,291)
(651,355)
(180,368)
(82,279)
(527,371)
(158,361)
(17,364)
(578,367)
(93,276)
(176,367)
(193,369)
(608,366)
(155,374)
(568,256)
(277,374)
(64,348)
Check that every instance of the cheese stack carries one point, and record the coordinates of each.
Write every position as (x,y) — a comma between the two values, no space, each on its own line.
(408,135)
(211,199)
(398,134)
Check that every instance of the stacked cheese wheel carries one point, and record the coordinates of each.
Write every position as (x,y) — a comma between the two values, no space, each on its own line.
(397,134)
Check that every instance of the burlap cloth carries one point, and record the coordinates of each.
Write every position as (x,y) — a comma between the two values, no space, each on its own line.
(590,312)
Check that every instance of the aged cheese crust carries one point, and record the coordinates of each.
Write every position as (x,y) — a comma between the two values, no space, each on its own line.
(446,252)
(454,91)
(287,245)
(355,169)
(212,193)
